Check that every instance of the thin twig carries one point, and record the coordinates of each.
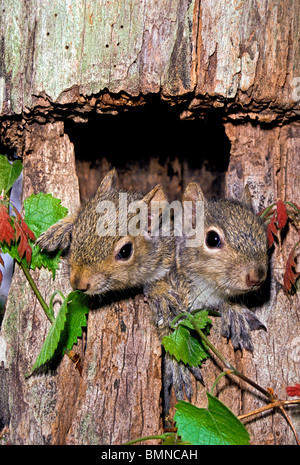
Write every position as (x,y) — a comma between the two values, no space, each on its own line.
(37,292)
(234,370)
(290,423)
(278,403)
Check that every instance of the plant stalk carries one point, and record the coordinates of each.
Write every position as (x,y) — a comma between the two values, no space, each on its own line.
(226,362)
(37,292)
(145,438)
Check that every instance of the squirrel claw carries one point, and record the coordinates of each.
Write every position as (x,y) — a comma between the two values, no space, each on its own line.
(237,325)
(178,376)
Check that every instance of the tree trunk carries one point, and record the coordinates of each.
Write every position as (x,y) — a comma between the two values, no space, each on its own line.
(271,173)
(170,93)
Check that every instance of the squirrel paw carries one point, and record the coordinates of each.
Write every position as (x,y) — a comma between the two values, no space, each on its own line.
(58,236)
(178,376)
(164,308)
(237,325)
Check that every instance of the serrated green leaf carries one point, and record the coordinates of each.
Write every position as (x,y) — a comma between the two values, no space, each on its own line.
(13,251)
(185,347)
(42,258)
(201,318)
(42,211)
(78,308)
(67,326)
(9,172)
(53,337)
(215,425)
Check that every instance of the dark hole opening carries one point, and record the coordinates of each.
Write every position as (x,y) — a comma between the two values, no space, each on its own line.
(150,145)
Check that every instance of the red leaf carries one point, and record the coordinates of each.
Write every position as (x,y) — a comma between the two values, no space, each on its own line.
(24,247)
(7,232)
(271,231)
(281,214)
(290,275)
(24,226)
(293,390)
(1,263)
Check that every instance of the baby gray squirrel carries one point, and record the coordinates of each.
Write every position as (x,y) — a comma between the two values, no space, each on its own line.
(231,260)
(101,262)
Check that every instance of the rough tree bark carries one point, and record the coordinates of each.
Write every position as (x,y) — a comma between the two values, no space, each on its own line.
(233,63)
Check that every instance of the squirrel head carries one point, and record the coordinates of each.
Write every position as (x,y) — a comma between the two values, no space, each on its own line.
(232,257)
(105,252)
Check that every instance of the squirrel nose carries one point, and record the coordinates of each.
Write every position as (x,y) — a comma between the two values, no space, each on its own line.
(255,277)
(79,283)
(82,287)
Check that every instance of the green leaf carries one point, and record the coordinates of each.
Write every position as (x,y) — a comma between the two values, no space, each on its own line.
(201,317)
(41,212)
(45,259)
(185,345)
(215,425)
(9,173)
(78,308)
(52,340)
(67,326)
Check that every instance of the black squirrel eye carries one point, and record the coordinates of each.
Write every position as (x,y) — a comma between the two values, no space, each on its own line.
(213,240)
(125,251)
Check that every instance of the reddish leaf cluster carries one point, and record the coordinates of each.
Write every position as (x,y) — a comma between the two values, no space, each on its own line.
(1,263)
(277,222)
(7,232)
(14,229)
(278,216)
(23,233)
(293,390)
(290,275)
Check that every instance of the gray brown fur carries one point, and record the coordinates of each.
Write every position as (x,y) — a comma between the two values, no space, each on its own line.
(175,278)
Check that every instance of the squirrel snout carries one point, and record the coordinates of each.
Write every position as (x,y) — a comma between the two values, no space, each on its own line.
(255,277)
(79,282)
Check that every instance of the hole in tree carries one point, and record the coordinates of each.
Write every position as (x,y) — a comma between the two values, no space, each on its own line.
(150,145)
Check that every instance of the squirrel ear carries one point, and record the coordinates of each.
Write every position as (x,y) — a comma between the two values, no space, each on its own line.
(107,182)
(246,197)
(193,192)
(157,194)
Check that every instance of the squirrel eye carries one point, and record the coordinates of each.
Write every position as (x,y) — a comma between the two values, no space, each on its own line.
(213,240)
(125,252)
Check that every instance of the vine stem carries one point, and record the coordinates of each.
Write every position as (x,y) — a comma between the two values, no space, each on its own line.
(230,367)
(146,438)
(290,423)
(37,292)
(277,404)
